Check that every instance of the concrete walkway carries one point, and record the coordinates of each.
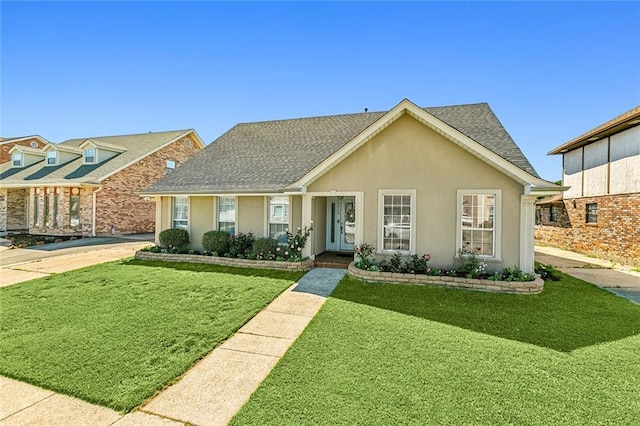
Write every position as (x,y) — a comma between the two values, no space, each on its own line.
(215,389)
(212,391)
(618,279)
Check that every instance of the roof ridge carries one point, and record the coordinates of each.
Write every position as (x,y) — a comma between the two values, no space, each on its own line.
(130,134)
(351,114)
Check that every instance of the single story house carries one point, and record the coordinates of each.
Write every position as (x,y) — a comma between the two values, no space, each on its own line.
(408,180)
(88,186)
(600,213)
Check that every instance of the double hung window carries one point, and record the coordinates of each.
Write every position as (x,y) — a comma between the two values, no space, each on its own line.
(279,218)
(227,214)
(180,212)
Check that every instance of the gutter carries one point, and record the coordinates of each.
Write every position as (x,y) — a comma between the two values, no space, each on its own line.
(93,219)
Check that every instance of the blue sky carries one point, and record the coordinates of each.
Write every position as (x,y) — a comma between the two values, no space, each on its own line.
(550,71)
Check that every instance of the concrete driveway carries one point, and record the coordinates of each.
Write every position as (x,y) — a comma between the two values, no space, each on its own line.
(18,265)
(618,279)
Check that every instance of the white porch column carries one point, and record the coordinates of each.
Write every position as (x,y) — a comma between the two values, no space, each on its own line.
(527,231)
(306,221)
(158,227)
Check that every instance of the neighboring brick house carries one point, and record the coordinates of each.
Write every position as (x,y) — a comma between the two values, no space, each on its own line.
(600,213)
(6,144)
(89,186)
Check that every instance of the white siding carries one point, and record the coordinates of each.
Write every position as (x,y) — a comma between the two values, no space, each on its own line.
(595,168)
(625,161)
(573,173)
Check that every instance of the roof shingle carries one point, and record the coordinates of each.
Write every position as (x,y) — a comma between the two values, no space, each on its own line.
(270,155)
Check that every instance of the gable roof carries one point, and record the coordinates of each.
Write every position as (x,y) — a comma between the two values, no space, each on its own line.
(74,172)
(616,125)
(4,141)
(270,156)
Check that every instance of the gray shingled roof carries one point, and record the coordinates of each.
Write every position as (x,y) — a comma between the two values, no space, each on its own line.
(270,155)
(74,172)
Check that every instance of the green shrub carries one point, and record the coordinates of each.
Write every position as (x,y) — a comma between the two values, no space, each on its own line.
(216,241)
(241,245)
(264,246)
(174,238)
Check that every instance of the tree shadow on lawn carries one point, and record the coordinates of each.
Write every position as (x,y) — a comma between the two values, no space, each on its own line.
(569,314)
(204,267)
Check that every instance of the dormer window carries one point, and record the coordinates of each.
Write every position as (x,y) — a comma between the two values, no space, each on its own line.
(171,166)
(17,159)
(52,158)
(90,155)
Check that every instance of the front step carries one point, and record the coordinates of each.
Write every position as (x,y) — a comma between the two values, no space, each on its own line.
(330,265)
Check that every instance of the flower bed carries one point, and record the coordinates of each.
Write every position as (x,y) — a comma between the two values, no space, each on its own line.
(303,265)
(515,287)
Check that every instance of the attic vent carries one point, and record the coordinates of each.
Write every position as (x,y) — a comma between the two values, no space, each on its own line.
(34,144)
(187,143)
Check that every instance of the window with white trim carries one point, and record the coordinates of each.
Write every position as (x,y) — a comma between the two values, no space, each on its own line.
(89,156)
(227,214)
(180,214)
(477,222)
(397,220)
(279,218)
(171,166)
(17,159)
(52,158)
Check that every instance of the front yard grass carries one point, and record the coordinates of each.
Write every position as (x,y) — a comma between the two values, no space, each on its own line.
(115,333)
(390,354)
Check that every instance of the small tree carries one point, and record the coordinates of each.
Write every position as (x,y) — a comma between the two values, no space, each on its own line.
(174,238)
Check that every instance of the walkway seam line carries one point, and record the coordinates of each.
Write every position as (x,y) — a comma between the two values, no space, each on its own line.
(250,353)
(29,406)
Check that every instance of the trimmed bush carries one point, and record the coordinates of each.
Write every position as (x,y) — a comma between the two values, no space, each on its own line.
(174,238)
(265,246)
(240,245)
(216,241)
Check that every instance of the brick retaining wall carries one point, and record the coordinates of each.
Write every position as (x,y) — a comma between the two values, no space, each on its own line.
(527,287)
(305,265)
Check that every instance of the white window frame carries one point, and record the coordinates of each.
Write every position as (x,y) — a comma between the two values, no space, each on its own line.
(268,215)
(19,157)
(49,157)
(497,220)
(171,165)
(173,212)
(235,217)
(412,220)
(95,156)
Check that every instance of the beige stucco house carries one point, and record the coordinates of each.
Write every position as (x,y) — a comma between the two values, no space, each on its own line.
(88,186)
(600,213)
(408,180)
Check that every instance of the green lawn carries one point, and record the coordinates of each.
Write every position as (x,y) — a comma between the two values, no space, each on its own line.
(389,354)
(114,334)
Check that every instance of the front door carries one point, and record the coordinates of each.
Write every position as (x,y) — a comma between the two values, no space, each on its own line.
(341,223)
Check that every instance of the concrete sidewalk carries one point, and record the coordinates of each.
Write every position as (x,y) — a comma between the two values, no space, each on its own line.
(212,391)
(618,279)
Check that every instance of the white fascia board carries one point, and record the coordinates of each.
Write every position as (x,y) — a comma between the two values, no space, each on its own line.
(40,138)
(408,107)
(214,194)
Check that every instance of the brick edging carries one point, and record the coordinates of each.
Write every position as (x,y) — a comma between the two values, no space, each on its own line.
(304,265)
(513,287)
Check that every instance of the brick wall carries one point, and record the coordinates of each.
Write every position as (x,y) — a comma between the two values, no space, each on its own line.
(60,225)
(16,209)
(615,236)
(4,148)
(117,202)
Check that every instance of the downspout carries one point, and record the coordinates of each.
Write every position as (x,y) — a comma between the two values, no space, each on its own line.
(93,219)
